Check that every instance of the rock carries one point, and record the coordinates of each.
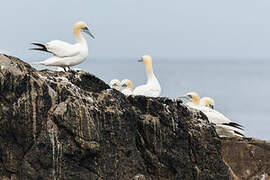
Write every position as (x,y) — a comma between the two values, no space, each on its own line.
(249,158)
(70,125)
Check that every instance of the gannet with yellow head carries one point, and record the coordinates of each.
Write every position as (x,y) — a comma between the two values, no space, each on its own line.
(207,102)
(115,84)
(152,87)
(223,125)
(65,54)
(126,87)
(193,99)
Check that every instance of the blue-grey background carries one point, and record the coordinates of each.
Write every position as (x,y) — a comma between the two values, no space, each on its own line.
(217,48)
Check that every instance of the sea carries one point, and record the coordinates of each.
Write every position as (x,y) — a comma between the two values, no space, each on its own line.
(240,88)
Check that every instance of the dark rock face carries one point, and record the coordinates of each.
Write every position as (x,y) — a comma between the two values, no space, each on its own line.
(249,158)
(70,125)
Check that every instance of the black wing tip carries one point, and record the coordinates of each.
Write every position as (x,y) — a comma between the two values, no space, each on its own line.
(38,49)
(38,44)
(236,132)
(235,125)
(42,47)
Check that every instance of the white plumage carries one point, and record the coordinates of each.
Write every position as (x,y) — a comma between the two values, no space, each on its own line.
(115,84)
(223,125)
(63,49)
(126,87)
(65,54)
(152,87)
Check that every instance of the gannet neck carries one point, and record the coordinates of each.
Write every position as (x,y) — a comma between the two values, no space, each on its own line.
(196,101)
(149,69)
(129,84)
(78,35)
(77,31)
(151,78)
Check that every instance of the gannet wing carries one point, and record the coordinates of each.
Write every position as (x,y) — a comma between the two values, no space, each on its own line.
(62,49)
(228,131)
(218,118)
(152,93)
(140,90)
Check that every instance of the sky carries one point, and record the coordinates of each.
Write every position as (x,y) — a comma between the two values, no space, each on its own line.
(176,29)
(174,32)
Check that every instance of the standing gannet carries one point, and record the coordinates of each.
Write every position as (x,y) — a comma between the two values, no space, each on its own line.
(152,87)
(115,84)
(126,87)
(65,54)
(193,99)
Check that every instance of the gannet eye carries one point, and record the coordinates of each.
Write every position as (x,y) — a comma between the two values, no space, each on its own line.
(87,31)
(211,106)
(85,28)
(190,96)
(124,85)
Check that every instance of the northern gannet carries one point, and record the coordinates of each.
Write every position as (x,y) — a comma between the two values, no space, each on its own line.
(65,54)
(193,99)
(152,87)
(126,87)
(207,102)
(216,116)
(115,84)
(223,125)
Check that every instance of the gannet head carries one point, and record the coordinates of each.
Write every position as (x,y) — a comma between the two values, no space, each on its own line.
(126,83)
(192,98)
(147,60)
(82,27)
(115,84)
(208,102)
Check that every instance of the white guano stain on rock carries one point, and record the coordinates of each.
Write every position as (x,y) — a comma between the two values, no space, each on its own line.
(56,148)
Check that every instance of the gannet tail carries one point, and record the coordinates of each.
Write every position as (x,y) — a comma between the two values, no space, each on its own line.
(41,47)
(223,130)
(233,124)
(239,133)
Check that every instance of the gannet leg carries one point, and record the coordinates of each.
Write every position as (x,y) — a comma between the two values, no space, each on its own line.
(65,69)
(69,68)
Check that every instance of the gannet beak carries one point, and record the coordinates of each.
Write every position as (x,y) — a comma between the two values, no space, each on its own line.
(86,30)
(140,60)
(184,97)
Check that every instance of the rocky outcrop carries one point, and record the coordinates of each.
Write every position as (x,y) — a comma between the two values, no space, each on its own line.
(249,158)
(70,125)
